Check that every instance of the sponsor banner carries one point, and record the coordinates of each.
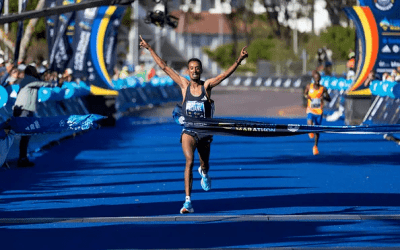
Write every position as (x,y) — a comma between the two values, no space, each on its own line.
(386,15)
(102,45)
(81,61)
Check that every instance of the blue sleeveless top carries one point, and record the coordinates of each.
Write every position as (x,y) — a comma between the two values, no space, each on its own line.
(197,106)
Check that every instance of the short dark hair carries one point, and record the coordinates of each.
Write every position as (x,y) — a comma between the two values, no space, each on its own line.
(195,60)
(31,71)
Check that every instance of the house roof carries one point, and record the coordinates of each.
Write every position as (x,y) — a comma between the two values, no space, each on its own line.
(202,23)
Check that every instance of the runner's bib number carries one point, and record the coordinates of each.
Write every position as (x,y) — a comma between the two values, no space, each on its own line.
(315,103)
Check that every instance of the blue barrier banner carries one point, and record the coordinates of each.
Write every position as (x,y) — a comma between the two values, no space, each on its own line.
(61,50)
(3,97)
(19,34)
(384,110)
(102,45)
(55,124)
(260,129)
(81,63)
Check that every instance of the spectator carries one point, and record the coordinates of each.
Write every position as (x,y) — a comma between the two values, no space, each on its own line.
(116,73)
(67,76)
(21,71)
(3,79)
(328,68)
(46,76)
(12,77)
(351,66)
(25,106)
(387,77)
(320,56)
(395,75)
(124,73)
(371,77)
(328,55)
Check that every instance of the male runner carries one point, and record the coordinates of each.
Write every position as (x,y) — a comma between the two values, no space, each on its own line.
(315,94)
(196,103)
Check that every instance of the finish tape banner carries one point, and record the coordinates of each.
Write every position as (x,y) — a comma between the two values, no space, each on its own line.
(262,129)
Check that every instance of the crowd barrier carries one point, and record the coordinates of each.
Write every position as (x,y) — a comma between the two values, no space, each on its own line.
(385,107)
(136,93)
(269,82)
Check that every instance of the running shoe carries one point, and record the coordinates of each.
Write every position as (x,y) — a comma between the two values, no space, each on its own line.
(311,135)
(315,150)
(205,180)
(187,208)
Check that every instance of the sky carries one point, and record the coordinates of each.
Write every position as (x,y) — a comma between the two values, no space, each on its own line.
(321,17)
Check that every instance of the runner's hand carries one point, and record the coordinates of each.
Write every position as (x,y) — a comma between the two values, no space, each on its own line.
(243,53)
(143,43)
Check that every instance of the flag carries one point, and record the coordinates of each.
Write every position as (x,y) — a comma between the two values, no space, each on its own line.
(103,42)
(81,60)
(20,32)
(61,51)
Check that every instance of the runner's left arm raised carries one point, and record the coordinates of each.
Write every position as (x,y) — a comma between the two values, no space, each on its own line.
(212,82)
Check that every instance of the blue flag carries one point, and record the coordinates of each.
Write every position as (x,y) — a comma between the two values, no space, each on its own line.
(19,34)
(102,45)
(61,51)
(81,60)
(51,24)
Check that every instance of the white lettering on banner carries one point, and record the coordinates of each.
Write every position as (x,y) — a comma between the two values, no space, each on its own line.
(53,51)
(394,64)
(81,50)
(109,50)
(61,54)
(195,109)
(90,13)
(293,127)
(250,129)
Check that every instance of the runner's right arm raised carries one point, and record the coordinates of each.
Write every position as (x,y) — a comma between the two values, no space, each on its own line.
(181,81)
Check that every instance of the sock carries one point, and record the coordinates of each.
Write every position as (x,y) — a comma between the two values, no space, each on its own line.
(188,198)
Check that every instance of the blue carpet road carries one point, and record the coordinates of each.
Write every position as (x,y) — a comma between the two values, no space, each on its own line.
(122,188)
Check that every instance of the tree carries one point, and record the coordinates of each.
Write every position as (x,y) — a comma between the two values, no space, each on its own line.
(335,10)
